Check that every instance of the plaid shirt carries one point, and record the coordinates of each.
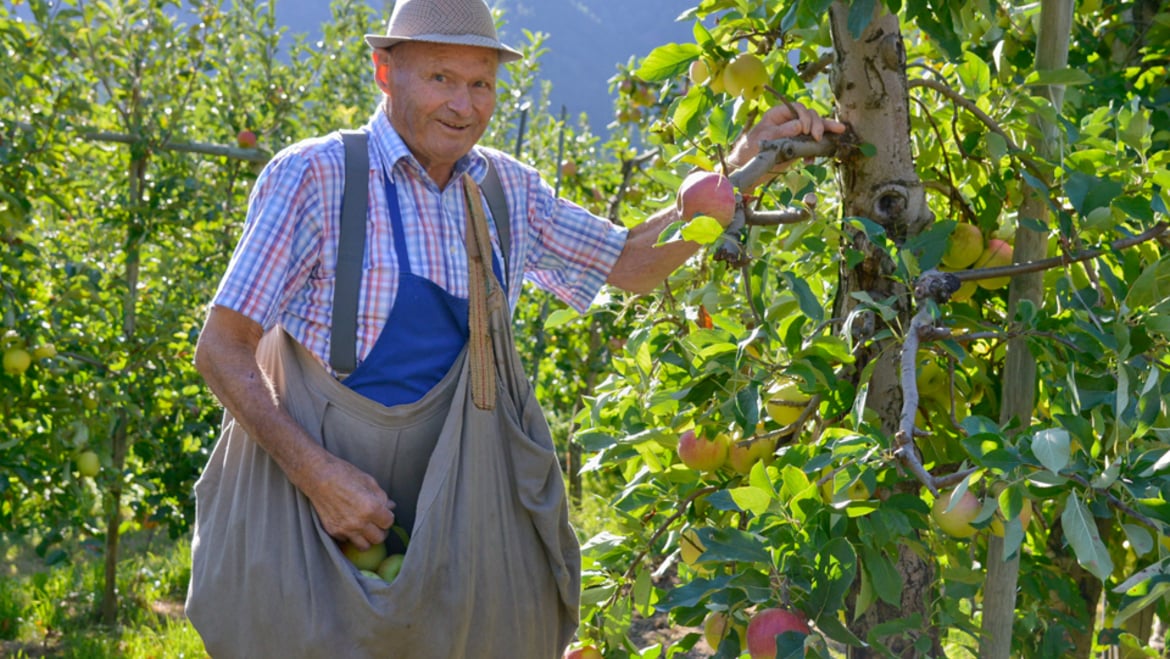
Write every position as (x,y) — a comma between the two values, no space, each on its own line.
(283,268)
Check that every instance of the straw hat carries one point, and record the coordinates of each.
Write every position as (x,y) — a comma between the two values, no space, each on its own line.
(463,22)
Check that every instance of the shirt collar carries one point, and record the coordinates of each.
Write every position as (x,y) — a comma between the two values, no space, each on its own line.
(395,157)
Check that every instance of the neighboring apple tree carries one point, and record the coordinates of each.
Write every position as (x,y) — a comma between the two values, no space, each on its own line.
(964,457)
(130,136)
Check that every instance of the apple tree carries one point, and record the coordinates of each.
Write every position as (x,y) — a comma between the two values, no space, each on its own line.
(947,327)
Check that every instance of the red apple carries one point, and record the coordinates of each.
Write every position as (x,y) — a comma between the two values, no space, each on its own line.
(246,139)
(584,652)
(998,253)
(707,193)
(568,168)
(700,453)
(766,625)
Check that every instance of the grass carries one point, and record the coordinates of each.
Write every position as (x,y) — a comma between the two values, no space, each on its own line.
(51,611)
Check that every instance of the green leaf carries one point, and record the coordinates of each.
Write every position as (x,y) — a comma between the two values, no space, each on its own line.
(1152,287)
(752,499)
(560,317)
(1053,448)
(974,74)
(1088,193)
(667,61)
(1069,77)
(860,14)
(703,229)
(1081,530)
(725,545)
(809,304)
(883,574)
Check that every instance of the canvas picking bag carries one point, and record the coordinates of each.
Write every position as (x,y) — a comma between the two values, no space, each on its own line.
(493,567)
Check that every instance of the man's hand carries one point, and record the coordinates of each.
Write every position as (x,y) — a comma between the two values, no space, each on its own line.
(789,120)
(348,501)
(350,504)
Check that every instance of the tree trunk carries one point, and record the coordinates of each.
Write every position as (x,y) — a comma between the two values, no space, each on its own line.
(869,82)
(1019,376)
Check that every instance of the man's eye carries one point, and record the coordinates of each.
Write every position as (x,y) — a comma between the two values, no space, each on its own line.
(439,77)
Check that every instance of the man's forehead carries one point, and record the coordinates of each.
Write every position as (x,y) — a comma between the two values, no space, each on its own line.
(428,51)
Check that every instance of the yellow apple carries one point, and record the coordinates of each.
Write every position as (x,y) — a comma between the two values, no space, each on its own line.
(718,625)
(745,76)
(584,652)
(741,457)
(44,351)
(957,521)
(964,246)
(699,72)
(786,401)
(690,547)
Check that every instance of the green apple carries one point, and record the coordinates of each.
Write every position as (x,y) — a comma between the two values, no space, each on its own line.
(16,361)
(964,246)
(389,568)
(44,351)
(88,464)
(956,522)
(700,453)
(364,559)
(745,76)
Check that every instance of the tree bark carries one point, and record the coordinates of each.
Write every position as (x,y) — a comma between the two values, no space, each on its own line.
(870,86)
(1019,376)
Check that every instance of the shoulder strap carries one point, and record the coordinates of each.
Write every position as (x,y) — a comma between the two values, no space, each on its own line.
(351,247)
(498,203)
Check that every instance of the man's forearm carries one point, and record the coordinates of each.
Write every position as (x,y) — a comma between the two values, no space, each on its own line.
(643,265)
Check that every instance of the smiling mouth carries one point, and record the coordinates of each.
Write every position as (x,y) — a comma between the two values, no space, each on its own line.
(457,127)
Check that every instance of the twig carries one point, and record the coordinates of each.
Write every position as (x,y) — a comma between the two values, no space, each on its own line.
(1058,261)
(1116,502)
(905,449)
(682,509)
(775,218)
(991,124)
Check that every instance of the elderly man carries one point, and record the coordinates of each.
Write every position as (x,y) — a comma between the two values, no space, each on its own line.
(433,431)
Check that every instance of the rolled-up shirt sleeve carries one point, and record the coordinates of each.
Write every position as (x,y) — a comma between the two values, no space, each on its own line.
(280,242)
(573,250)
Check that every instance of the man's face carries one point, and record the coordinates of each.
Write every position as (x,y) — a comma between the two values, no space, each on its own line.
(441,98)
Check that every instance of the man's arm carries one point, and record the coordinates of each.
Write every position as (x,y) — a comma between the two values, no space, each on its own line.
(349,502)
(642,266)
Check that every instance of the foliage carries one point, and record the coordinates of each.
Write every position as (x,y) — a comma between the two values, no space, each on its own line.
(822,527)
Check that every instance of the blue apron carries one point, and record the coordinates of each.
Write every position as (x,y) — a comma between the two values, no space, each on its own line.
(426,330)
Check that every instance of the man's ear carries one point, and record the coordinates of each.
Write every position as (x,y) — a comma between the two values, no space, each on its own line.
(382,66)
